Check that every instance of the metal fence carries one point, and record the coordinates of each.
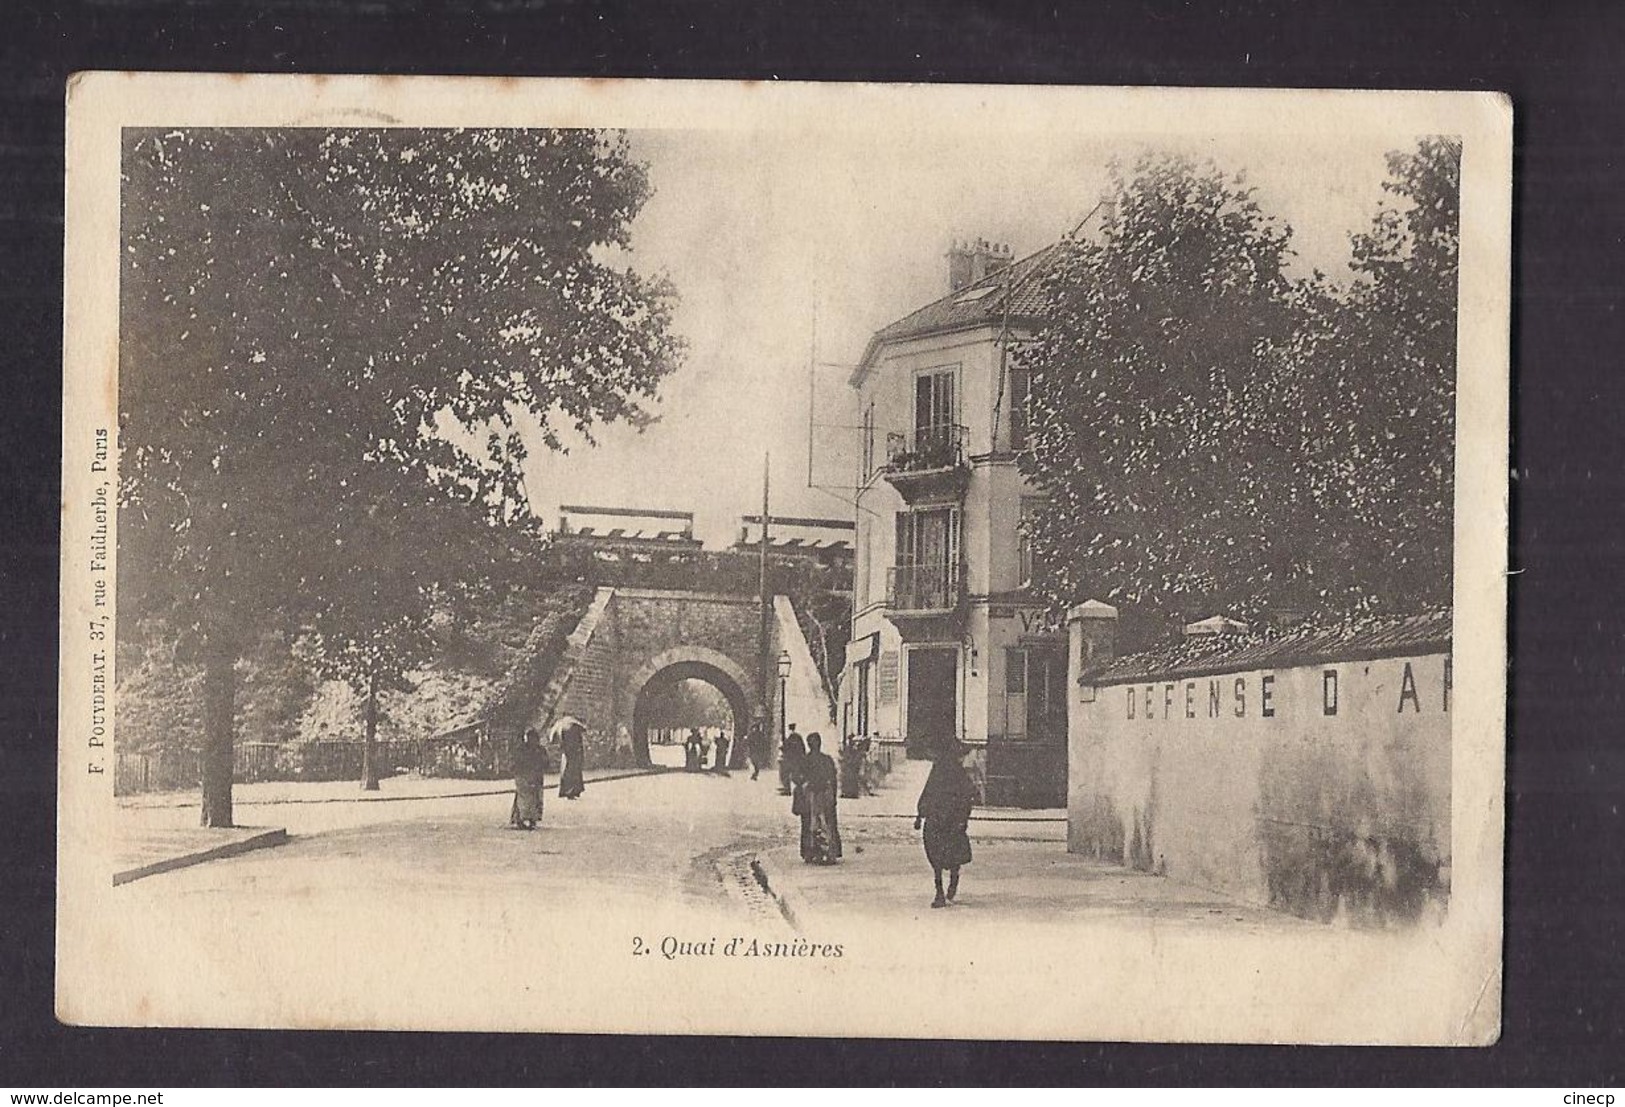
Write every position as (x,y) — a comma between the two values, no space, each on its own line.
(158,771)
(466,752)
(940,446)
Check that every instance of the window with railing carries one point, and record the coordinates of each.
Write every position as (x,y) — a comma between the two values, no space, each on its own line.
(933,400)
(926,575)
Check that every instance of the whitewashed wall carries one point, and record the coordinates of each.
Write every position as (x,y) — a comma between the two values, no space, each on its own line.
(1322,788)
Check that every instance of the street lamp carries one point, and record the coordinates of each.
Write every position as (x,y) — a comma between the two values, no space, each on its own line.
(784,680)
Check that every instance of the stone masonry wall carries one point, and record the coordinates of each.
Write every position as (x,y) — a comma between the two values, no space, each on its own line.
(628,635)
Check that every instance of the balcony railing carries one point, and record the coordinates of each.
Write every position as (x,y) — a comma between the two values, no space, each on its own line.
(941,447)
(922,588)
(929,464)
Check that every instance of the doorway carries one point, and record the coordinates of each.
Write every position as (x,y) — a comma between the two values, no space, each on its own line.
(933,697)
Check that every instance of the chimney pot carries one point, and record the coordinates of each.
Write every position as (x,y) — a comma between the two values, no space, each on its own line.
(960,264)
(971,260)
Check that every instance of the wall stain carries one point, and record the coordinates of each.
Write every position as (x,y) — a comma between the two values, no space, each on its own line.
(1328,873)
(1325,855)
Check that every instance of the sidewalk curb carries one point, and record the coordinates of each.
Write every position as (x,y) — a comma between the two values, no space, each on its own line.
(265,839)
(764,877)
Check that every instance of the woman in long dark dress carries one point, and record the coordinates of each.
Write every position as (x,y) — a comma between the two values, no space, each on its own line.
(944,810)
(570,733)
(757,746)
(792,749)
(529,776)
(820,833)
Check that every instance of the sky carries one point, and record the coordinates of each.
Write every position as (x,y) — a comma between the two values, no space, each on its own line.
(790,251)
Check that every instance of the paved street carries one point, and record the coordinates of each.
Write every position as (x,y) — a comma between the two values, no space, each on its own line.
(435,904)
(633,841)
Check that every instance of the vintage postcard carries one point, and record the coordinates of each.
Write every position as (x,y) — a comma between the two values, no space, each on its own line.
(782,559)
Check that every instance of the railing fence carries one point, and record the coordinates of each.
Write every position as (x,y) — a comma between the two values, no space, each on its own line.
(465,752)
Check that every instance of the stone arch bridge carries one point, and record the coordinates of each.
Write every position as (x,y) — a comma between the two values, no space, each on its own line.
(633,643)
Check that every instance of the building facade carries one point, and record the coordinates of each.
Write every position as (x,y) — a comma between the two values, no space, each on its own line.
(946,639)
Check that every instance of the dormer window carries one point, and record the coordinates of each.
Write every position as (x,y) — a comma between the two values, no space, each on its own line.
(974,294)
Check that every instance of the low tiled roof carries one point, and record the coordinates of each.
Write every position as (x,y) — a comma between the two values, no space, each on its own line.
(1355,639)
(961,308)
(1014,292)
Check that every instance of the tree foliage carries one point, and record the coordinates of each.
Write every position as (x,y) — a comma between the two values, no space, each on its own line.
(319,328)
(1214,436)
(1390,343)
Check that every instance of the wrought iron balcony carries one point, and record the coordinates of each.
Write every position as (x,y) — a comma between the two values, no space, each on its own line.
(928,462)
(922,590)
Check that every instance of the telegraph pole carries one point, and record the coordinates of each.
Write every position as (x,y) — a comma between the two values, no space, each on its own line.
(764,674)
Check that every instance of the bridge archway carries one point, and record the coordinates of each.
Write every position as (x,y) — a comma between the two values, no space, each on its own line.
(681,663)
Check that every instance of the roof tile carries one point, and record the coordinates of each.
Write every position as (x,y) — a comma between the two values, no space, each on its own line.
(1009,287)
(1351,640)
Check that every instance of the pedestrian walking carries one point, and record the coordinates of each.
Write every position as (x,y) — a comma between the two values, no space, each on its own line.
(529,777)
(570,734)
(791,751)
(944,811)
(739,751)
(720,765)
(815,794)
(756,745)
(854,760)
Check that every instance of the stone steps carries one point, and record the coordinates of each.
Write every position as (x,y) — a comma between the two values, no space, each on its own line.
(575,649)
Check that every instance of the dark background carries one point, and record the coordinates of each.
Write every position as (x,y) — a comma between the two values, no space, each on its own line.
(1563,64)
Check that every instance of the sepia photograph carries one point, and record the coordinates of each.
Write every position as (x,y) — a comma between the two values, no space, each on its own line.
(826,560)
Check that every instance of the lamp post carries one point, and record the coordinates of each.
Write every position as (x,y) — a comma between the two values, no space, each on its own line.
(784,681)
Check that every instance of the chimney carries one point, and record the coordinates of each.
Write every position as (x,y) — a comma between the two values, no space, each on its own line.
(995,256)
(959,262)
(969,262)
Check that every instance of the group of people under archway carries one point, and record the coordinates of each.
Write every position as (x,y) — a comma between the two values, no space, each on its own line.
(754,748)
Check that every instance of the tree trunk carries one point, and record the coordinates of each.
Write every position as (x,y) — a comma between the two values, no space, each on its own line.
(219,707)
(369,739)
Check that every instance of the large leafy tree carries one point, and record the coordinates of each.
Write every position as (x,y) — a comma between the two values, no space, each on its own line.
(1385,351)
(401,561)
(315,326)
(1215,436)
(1151,392)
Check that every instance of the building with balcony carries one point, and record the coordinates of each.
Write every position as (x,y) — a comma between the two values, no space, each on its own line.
(946,639)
